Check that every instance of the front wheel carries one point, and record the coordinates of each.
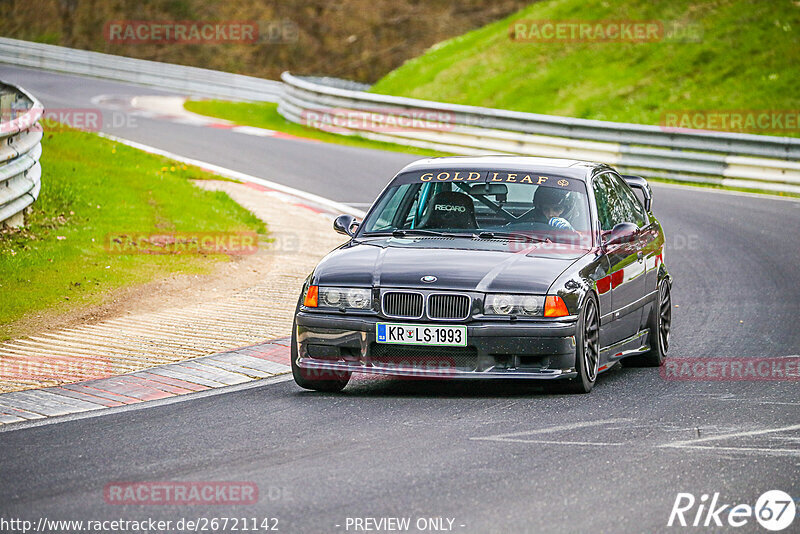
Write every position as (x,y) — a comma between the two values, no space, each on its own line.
(317,380)
(587,350)
(660,323)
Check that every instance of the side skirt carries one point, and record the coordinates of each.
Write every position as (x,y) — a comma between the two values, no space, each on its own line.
(636,344)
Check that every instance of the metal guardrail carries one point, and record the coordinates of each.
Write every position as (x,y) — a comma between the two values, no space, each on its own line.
(186,80)
(729,159)
(20,149)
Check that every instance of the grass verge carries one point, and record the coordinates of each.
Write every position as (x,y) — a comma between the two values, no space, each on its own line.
(92,187)
(265,115)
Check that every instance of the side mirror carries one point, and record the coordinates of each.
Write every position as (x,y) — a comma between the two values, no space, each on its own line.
(637,182)
(345,224)
(622,233)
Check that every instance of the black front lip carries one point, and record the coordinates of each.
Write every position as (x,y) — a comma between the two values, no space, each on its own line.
(548,341)
(317,365)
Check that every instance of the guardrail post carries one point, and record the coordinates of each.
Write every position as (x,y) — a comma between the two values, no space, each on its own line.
(15,221)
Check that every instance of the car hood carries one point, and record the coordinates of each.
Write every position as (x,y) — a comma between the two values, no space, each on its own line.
(456,265)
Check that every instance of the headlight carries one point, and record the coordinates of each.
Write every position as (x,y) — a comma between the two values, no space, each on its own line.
(502,304)
(345,297)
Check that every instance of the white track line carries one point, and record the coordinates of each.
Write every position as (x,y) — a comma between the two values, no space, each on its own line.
(220,390)
(757,450)
(236,175)
(693,442)
(516,436)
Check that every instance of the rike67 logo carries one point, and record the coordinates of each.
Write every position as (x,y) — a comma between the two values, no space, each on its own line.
(774,510)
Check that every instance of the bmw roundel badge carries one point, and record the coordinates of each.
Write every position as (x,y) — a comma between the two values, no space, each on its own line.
(429,279)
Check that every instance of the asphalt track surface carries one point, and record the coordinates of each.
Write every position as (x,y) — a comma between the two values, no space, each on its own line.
(610,461)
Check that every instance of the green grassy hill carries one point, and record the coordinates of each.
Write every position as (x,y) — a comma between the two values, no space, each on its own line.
(746,57)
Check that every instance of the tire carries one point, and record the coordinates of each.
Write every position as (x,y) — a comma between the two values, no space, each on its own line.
(587,350)
(660,324)
(334,381)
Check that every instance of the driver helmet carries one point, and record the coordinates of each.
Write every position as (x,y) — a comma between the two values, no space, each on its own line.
(545,197)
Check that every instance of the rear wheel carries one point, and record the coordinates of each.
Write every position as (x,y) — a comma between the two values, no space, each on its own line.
(660,323)
(587,350)
(316,379)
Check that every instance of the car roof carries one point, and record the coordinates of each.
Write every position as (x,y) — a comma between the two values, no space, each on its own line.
(570,168)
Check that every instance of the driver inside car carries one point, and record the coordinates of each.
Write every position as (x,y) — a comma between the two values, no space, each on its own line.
(549,204)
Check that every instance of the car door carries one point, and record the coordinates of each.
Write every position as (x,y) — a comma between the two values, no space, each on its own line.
(627,273)
(651,245)
(652,238)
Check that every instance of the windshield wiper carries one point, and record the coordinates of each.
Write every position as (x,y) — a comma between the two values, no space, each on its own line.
(422,231)
(511,235)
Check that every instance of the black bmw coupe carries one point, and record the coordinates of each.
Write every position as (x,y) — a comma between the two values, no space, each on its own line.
(490,267)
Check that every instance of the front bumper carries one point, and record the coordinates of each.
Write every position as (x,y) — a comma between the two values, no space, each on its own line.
(496,349)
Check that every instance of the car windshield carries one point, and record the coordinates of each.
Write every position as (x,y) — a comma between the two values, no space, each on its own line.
(502,210)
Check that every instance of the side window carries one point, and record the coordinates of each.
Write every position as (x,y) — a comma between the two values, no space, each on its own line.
(611,210)
(633,206)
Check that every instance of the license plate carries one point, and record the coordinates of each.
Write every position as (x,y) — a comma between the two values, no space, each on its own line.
(419,334)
